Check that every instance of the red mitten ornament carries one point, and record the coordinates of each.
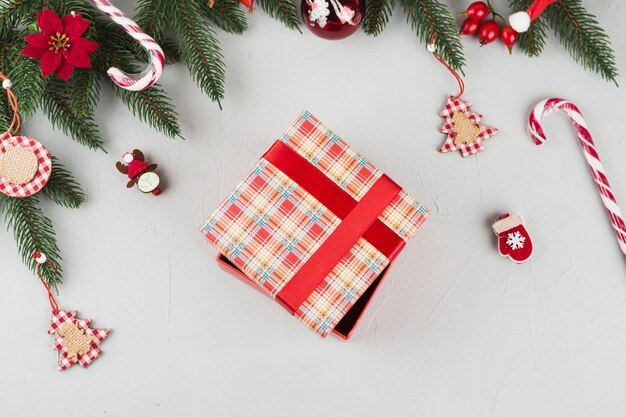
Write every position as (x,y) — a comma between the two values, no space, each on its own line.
(513,239)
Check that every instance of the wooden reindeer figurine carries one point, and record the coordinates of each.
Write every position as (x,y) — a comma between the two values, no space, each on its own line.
(139,172)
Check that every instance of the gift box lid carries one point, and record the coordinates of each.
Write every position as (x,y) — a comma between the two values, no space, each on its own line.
(289,205)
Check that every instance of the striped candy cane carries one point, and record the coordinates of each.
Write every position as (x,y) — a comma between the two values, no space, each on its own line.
(153,72)
(591,155)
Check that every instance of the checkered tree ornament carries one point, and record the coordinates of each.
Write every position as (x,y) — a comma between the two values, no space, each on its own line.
(75,340)
(463,127)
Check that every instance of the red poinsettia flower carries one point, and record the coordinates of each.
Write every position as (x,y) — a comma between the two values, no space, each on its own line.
(59,45)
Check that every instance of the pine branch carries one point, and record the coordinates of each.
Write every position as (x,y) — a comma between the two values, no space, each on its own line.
(152,17)
(83,90)
(377,15)
(18,11)
(33,232)
(62,187)
(28,84)
(227,15)
(428,17)
(583,37)
(171,51)
(533,40)
(57,107)
(200,48)
(153,105)
(283,10)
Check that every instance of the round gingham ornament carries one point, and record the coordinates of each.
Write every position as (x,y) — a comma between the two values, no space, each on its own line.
(25,164)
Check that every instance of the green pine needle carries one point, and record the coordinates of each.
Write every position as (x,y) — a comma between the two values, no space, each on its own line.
(283,10)
(200,48)
(33,232)
(62,187)
(152,106)
(428,17)
(57,107)
(377,15)
(228,16)
(583,37)
(152,17)
(28,84)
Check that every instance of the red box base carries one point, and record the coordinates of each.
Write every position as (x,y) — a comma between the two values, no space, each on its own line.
(347,324)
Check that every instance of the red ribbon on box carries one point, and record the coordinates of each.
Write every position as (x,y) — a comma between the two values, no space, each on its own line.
(359,220)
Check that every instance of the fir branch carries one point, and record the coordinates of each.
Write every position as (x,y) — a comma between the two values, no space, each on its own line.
(583,37)
(428,17)
(18,11)
(152,17)
(81,127)
(83,90)
(227,15)
(283,10)
(33,232)
(171,51)
(28,83)
(377,15)
(62,187)
(533,40)
(200,48)
(65,7)
(153,105)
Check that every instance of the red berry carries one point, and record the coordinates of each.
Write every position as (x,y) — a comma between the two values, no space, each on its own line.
(509,37)
(477,11)
(469,26)
(488,32)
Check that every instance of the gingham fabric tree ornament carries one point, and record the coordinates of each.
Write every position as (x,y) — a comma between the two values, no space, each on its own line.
(74,338)
(463,127)
(25,164)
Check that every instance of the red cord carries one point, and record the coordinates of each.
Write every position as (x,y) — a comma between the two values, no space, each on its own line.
(15,123)
(53,302)
(445,64)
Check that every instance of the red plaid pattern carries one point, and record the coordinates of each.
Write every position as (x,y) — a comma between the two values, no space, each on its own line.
(58,319)
(455,105)
(270,226)
(43,171)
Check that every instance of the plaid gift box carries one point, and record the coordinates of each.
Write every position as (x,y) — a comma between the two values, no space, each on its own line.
(315,226)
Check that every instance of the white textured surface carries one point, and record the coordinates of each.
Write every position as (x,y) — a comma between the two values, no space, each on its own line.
(455,330)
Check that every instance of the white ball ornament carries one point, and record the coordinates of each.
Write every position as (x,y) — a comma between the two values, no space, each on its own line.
(520,21)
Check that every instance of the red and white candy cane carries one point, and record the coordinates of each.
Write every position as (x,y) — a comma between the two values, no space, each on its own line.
(153,72)
(591,155)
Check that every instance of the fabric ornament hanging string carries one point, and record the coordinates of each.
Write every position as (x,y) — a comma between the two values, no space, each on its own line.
(75,340)
(463,127)
(134,82)
(25,164)
(536,133)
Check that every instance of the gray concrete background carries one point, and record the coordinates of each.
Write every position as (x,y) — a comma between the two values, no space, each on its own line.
(455,330)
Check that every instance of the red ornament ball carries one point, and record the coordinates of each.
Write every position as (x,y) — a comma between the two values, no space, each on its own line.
(509,37)
(488,32)
(478,10)
(333,19)
(469,27)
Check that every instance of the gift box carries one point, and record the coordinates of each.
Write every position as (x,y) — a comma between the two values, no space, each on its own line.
(314,226)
